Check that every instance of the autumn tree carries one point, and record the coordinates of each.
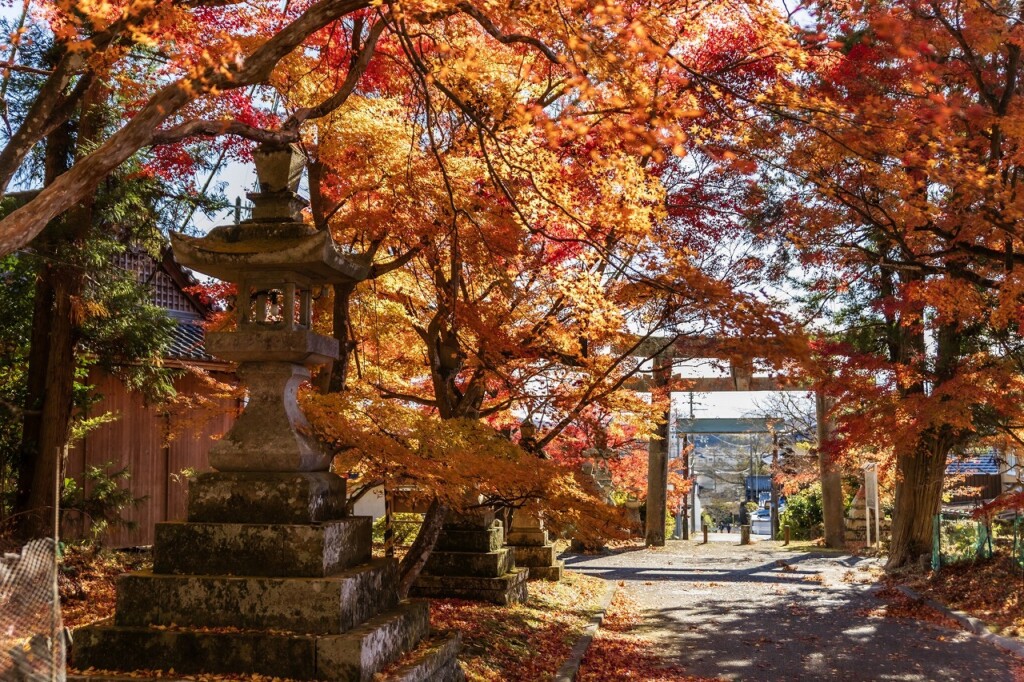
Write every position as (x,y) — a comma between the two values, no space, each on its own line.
(539,124)
(892,160)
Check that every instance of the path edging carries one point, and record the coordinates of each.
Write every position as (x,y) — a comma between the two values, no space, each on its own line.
(569,669)
(970,623)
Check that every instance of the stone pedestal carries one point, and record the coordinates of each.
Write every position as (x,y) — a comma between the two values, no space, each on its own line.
(469,562)
(532,548)
(231,593)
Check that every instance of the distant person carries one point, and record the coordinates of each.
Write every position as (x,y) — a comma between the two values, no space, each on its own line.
(728,526)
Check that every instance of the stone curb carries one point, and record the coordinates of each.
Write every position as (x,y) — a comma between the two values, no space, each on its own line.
(567,673)
(970,623)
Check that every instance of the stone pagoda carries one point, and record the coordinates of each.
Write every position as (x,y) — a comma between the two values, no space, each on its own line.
(469,561)
(268,575)
(532,548)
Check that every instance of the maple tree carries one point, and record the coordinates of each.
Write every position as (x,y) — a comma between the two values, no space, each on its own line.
(888,168)
(510,91)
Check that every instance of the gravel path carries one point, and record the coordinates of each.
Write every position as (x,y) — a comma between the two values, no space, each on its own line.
(766,613)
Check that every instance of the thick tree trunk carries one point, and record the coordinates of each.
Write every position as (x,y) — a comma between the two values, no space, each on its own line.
(44,445)
(831,479)
(918,497)
(342,332)
(920,472)
(38,358)
(414,561)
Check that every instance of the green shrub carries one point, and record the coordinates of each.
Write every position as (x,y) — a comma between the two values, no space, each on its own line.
(405,524)
(804,514)
(102,506)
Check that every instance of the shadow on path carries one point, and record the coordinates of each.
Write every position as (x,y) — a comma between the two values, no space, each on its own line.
(764,614)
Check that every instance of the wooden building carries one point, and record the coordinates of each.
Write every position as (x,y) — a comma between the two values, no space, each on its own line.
(157,443)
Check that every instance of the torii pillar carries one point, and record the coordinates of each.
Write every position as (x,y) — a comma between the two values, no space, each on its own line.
(657,463)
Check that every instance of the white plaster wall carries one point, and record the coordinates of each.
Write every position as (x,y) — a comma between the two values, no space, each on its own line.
(370,504)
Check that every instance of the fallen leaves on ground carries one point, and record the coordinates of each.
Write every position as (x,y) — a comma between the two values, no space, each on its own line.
(621,652)
(522,642)
(86,581)
(989,589)
(899,605)
(171,675)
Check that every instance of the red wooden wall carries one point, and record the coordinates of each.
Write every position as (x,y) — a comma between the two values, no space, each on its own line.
(139,440)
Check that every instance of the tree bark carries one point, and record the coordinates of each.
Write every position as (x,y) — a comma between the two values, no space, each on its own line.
(414,561)
(342,332)
(831,479)
(55,421)
(919,480)
(55,329)
(921,468)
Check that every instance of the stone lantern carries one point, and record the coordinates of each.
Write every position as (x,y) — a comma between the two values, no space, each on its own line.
(268,576)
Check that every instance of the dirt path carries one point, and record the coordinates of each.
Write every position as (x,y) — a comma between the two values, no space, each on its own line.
(766,613)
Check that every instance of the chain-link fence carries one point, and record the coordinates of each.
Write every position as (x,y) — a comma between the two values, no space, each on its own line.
(957,539)
(32,641)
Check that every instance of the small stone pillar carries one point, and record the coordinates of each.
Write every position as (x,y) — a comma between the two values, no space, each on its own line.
(268,575)
(529,541)
(469,562)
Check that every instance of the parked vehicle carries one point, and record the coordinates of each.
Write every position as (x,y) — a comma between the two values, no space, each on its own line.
(761,522)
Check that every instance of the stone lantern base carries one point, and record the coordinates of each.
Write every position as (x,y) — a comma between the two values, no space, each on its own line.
(469,562)
(266,577)
(532,548)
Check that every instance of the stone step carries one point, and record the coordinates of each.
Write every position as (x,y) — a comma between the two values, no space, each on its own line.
(534,556)
(360,653)
(527,537)
(506,589)
(330,605)
(553,573)
(351,657)
(480,564)
(279,550)
(454,540)
(435,661)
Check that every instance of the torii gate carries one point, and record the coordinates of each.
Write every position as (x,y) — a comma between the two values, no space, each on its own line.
(741,378)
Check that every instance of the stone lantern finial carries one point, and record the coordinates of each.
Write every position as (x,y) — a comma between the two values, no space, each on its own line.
(279,172)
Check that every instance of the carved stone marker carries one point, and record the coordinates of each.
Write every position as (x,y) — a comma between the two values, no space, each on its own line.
(532,548)
(268,576)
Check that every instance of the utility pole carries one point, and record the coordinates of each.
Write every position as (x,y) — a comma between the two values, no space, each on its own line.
(692,494)
(686,475)
(775,488)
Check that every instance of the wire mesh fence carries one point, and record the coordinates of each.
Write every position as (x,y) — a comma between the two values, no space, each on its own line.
(1017,548)
(32,640)
(957,539)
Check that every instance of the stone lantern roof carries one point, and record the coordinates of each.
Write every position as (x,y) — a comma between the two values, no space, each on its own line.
(275,241)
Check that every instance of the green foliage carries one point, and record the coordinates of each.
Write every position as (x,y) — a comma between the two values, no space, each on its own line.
(97,503)
(405,524)
(17,280)
(959,540)
(804,514)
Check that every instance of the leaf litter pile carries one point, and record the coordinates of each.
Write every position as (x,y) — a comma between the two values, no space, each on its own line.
(896,604)
(620,651)
(522,642)
(87,579)
(991,590)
